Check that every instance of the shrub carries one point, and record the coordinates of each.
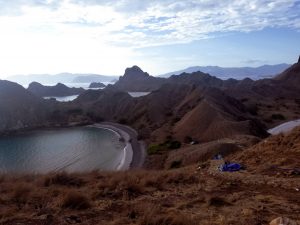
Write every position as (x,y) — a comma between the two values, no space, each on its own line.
(75,111)
(76,200)
(21,193)
(175,164)
(154,149)
(173,144)
(63,179)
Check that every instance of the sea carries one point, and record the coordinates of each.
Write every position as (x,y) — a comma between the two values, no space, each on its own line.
(79,149)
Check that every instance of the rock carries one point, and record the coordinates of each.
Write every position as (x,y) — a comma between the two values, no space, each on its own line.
(282,221)
(299,59)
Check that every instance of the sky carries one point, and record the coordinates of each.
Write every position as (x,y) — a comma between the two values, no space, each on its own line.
(160,36)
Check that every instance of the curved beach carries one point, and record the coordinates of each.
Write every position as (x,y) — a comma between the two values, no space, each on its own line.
(284,127)
(134,151)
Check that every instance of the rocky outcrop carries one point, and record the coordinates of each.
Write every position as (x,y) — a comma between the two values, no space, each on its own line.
(59,90)
(135,80)
(97,85)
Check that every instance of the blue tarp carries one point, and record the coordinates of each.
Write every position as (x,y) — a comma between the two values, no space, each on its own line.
(230,167)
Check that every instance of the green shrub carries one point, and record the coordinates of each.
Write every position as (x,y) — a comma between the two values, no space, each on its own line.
(173,144)
(154,149)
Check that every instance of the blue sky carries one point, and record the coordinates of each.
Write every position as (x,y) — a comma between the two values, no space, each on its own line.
(105,37)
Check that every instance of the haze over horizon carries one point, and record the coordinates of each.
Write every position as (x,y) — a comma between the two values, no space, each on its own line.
(105,37)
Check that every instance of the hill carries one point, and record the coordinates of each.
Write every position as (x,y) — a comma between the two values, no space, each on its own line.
(59,90)
(174,111)
(275,155)
(135,80)
(97,85)
(234,72)
(19,108)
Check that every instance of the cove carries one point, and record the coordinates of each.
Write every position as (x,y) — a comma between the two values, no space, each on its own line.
(77,149)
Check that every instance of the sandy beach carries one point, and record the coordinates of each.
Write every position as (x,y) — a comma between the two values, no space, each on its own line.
(134,152)
(285,127)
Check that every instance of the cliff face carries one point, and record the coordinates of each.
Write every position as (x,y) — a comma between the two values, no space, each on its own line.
(19,108)
(59,90)
(135,80)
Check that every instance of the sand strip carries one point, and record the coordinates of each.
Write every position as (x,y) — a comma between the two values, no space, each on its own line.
(128,137)
(285,127)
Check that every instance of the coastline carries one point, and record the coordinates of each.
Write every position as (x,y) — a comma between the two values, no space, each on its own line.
(134,151)
(284,127)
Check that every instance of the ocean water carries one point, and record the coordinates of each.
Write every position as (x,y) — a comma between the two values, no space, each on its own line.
(63,99)
(138,94)
(72,149)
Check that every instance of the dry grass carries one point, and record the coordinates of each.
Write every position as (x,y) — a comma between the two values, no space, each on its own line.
(75,200)
(182,196)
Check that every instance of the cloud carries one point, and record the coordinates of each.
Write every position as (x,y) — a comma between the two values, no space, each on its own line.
(138,23)
(254,61)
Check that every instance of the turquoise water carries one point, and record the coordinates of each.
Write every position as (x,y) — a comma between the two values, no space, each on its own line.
(73,149)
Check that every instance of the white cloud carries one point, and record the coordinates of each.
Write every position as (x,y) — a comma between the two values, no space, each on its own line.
(112,29)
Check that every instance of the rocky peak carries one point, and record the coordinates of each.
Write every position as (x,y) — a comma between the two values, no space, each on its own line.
(34,84)
(135,71)
(60,85)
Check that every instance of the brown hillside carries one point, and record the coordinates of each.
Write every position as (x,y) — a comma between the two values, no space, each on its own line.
(274,154)
(215,116)
(174,110)
(291,76)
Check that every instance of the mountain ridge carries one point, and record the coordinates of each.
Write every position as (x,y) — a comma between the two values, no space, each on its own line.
(234,72)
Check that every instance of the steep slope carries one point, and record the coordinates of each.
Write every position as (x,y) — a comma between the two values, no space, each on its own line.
(174,110)
(135,79)
(19,108)
(214,116)
(59,90)
(291,76)
(276,154)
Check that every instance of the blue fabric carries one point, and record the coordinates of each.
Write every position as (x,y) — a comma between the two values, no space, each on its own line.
(230,167)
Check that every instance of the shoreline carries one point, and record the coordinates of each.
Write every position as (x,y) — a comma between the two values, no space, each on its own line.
(284,127)
(134,152)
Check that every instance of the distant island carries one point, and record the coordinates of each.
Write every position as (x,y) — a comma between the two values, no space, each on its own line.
(255,73)
(97,85)
(58,90)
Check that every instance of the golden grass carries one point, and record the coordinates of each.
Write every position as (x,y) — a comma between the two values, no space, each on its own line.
(182,196)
